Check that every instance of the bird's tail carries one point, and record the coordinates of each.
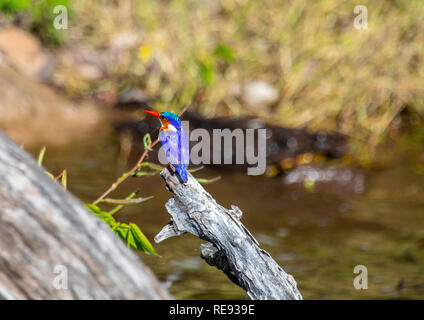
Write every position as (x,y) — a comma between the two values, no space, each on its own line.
(182,172)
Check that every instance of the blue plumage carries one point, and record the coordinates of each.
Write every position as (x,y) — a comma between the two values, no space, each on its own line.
(174,141)
(173,118)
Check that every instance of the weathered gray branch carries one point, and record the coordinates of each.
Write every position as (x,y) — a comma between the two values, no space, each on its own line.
(231,247)
(43,227)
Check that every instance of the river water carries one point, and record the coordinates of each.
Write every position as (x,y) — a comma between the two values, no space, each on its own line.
(318,236)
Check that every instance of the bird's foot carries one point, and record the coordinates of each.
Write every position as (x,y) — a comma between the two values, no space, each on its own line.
(174,172)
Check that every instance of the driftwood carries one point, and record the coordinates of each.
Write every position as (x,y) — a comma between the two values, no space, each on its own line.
(46,236)
(231,248)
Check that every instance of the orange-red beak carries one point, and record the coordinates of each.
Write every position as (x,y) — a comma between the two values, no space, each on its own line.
(153,113)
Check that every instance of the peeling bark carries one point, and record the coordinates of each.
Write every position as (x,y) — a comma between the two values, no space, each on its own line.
(231,247)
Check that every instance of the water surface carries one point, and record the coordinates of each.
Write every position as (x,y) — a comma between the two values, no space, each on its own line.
(318,236)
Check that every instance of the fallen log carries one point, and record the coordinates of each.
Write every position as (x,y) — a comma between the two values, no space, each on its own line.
(231,247)
(47,235)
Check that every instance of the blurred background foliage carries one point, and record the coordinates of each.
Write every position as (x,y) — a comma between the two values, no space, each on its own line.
(37,16)
(320,71)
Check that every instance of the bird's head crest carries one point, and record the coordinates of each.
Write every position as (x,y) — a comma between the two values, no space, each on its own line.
(166,117)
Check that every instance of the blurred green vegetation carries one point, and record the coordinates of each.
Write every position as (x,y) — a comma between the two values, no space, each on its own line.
(13,6)
(328,75)
(37,16)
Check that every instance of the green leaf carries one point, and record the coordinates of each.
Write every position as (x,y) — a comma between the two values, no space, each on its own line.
(49,174)
(41,156)
(195,169)
(147,140)
(151,166)
(140,174)
(154,167)
(131,234)
(121,230)
(208,181)
(92,208)
(64,179)
(104,216)
(140,240)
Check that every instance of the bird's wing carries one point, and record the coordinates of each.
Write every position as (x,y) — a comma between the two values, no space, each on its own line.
(177,152)
(185,148)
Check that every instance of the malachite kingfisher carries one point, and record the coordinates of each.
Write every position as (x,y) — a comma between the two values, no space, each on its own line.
(174,141)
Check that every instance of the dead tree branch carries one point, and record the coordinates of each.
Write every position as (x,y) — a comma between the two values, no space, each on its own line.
(231,248)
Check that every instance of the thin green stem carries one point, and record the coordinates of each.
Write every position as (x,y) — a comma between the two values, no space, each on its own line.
(119,207)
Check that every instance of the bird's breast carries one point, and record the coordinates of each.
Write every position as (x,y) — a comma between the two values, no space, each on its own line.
(169,128)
